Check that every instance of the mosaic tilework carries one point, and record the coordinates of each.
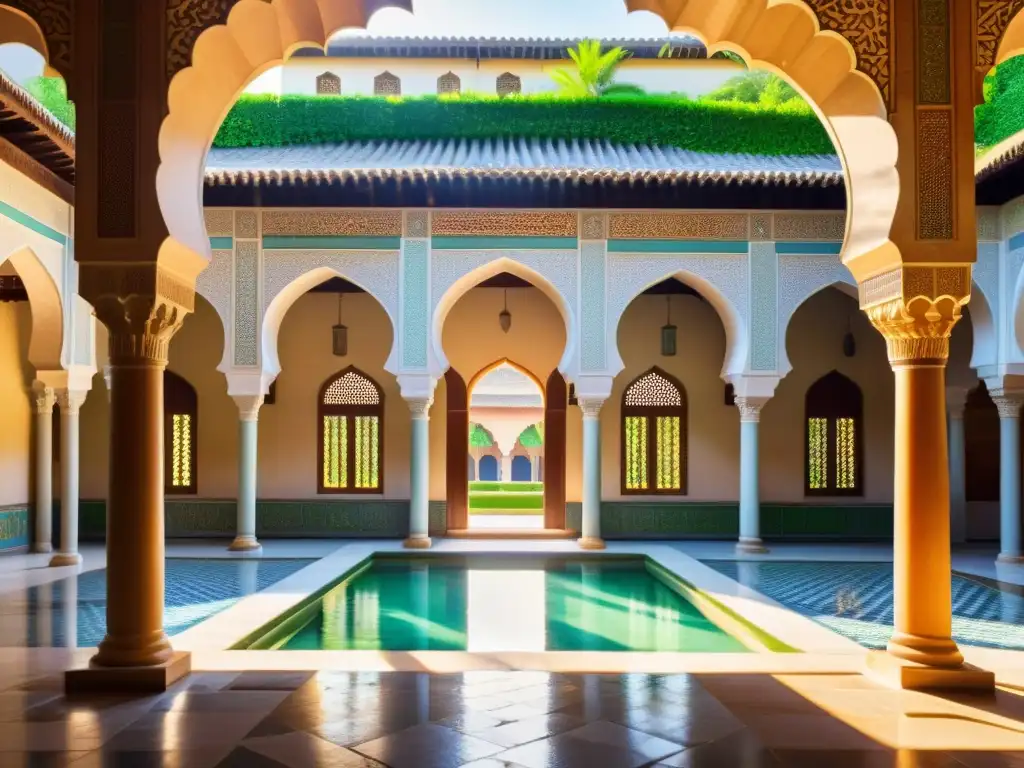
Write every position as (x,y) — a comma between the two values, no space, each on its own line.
(532,223)
(763,290)
(669,226)
(855,600)
(592,284)
(415,283)
(194,591)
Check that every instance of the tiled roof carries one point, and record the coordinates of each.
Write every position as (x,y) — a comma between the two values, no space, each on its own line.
(1005,153)
(32,129)
(372,46)
(555,159)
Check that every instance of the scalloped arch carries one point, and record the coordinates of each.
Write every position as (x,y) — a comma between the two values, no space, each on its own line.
(781,35)
(1012,42)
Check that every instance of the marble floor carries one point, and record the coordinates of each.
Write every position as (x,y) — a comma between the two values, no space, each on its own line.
(256,716)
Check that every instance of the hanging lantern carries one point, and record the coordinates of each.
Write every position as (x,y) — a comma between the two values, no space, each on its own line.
(505,317)
(340,334)
(849,342)
(668,332)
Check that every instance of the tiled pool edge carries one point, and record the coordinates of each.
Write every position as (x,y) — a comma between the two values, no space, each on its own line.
(230,627)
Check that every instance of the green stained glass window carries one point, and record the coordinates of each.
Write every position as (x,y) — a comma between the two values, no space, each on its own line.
(833,416)
(351,411)
(654,435)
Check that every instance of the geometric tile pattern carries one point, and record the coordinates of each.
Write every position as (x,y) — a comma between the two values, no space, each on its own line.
(472,720)
(855,600)
(194,590)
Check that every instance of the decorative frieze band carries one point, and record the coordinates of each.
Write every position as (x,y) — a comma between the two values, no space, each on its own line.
(333,223)
(219,222)
(678,226)
(505,223)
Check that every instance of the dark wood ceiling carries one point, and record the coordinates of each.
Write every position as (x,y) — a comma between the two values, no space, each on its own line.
(28,129)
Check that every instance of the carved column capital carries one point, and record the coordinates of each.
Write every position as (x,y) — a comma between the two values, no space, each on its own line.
(420,406)
(1008,403)
(70,401)
(248,406)
(956,399)
(591,407)
(750,407)
(915,309)
(142,305)
(43,397)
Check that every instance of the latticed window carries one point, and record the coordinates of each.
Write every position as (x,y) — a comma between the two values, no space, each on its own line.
(180,434)
(509,84)
(449,83)
(328,82)
(834,436)
(351,414)
(654,435)
(386,84)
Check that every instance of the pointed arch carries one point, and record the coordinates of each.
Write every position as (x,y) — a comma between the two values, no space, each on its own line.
(834,437)
(471,279)
(654,435)
(46,306)
(479,375)
(350,423)
(181,435)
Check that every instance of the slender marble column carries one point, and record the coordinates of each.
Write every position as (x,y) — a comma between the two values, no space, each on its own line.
(506,468)
(70,404)
(1009,476)
(43,402)
(955,399)
(591,534)
(750,504)
(248,415)
(419,502)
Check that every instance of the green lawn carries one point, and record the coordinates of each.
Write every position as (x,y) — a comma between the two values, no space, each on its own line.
(486,498)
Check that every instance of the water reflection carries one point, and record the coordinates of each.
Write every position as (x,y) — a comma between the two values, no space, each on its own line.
(524,604)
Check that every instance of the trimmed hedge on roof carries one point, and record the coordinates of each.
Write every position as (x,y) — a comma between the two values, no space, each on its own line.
(1002,114)
(699,125)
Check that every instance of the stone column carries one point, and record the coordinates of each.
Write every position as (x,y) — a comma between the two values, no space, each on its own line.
(43,403)
(506,467)
(750,504)
(956,397)
(1009,405)
(591,533)
(70,404)
(419,481)
(143,307)
(248,414)
(921,653)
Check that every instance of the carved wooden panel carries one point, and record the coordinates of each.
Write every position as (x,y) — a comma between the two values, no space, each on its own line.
(867,24)
(186,19)
(55,18)
(992,20)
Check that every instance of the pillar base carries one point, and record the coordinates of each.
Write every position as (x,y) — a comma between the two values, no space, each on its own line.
(65,558)
(153,679)
(42,549)
(417,542)
(247,544)
(1010,559)
(591,542)
(751,547)
(911,676)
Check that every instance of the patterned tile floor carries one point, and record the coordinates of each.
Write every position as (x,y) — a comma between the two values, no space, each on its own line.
(855,600)
(472,720)
(194,590)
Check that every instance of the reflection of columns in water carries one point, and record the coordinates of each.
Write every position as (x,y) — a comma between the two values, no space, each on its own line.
(69,609)
(748,574)
(419,592)
(44,615)
(422,698)
(248,573)
(590,585)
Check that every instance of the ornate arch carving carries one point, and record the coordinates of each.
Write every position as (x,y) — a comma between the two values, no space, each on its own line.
(53,20)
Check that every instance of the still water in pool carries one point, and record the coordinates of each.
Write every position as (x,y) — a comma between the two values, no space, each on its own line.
(508,605)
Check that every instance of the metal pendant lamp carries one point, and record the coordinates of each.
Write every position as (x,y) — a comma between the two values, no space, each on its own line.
(505,317)
(668,332)
(339,337)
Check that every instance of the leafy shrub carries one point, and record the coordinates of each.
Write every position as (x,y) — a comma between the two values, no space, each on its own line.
(52,93)
(1002,114)
(507,500)
(700,125)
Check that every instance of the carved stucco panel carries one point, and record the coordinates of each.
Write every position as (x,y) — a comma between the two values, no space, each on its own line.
(986,276)
(214,285)
(763,306)
(415,298)
(592,305)
(246,324)
(219,222)
(374,271)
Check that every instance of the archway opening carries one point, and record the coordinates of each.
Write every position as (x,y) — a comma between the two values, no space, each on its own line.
(506,445)
(506,404)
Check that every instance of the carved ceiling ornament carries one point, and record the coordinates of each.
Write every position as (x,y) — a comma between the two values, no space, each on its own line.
(993,18)
(55,18)
(867,25)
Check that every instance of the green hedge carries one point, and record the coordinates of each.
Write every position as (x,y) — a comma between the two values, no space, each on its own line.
(1002,114)
(703,125)
(507,501)
(476,486)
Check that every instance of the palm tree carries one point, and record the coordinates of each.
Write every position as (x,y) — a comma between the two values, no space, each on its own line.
(594,73)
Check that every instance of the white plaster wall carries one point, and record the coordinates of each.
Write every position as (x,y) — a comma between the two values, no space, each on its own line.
(15,405)
(419,76)
(30,198)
